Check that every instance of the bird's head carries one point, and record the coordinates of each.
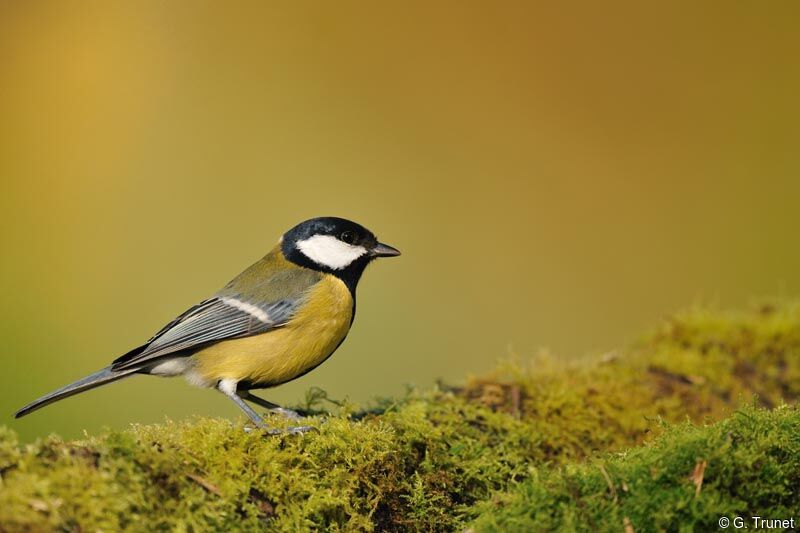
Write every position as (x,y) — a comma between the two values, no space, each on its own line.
(334,245)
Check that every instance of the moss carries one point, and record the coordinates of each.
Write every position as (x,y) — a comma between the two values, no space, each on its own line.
(686,480)
(695,365)
(432,461)
(419,466)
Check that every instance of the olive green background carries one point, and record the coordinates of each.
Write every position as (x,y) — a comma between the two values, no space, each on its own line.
(556,176)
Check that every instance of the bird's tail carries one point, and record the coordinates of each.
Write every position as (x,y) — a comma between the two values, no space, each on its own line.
(89,382)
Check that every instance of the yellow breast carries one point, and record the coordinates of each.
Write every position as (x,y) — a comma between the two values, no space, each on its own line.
(285,353)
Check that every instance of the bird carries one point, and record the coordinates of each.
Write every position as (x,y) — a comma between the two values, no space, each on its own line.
(276,321)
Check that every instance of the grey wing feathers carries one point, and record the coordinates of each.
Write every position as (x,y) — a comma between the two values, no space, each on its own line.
(209,321)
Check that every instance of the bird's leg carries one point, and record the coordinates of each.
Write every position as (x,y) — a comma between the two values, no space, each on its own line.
(228,388)
(275,408)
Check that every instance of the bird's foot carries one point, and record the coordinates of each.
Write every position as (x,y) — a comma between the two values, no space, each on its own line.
(294,430)
(274,432)
(287,413)
(256,427)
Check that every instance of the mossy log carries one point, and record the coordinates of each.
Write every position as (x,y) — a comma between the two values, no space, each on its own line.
(620,440)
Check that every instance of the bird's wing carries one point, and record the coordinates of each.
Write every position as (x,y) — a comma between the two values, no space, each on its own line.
(228,315)
(210,321)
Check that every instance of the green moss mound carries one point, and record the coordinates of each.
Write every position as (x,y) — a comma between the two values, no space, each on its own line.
(696,365)
(443,459)
(422,466)
(687,480)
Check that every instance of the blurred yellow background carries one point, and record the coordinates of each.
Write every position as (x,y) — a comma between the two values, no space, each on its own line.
(556,176)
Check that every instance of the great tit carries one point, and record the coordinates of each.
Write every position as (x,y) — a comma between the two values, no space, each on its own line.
(274,322)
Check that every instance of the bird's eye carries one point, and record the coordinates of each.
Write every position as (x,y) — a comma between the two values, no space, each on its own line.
(348,236)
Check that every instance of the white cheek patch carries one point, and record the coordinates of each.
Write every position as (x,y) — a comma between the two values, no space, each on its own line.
(329,251)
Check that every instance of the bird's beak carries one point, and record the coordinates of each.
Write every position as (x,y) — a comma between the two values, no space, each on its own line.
(384,250)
